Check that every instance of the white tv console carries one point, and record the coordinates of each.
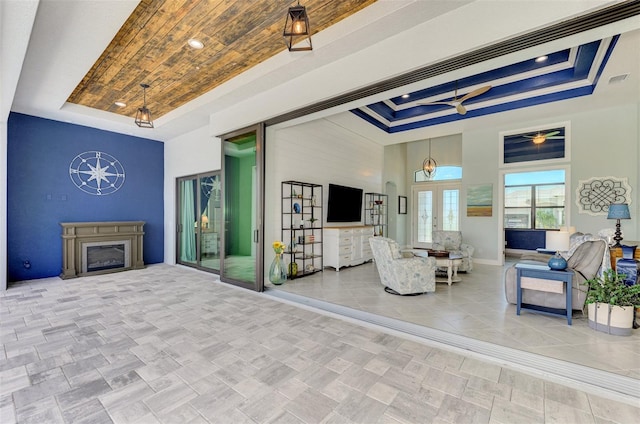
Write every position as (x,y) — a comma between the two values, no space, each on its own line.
(346,246)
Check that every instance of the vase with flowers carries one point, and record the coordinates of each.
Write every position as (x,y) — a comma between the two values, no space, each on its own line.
(278,270)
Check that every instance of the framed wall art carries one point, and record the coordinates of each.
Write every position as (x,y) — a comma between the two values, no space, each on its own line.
(402,205)
(480,200)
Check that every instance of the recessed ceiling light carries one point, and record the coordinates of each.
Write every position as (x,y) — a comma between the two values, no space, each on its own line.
(541,58)
(405,96)
(120,104)
(196,44)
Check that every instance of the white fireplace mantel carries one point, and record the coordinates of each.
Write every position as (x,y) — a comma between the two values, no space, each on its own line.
(77,234)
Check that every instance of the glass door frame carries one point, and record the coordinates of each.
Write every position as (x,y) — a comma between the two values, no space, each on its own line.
(197,178)
(258,237)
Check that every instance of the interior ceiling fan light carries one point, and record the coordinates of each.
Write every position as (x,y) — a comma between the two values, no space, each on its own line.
(539,139)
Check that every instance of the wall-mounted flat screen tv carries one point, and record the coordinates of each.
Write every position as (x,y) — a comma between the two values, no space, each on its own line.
(344,204)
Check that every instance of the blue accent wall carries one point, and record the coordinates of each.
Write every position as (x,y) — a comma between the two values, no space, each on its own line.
(41,194)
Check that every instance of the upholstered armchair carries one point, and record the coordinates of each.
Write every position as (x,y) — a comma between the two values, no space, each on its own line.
(452,241)
(399,274)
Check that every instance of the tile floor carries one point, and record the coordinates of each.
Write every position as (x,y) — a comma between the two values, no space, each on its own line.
(171,345)
(476,307)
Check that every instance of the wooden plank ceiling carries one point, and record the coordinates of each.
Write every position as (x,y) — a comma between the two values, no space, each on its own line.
(151,47)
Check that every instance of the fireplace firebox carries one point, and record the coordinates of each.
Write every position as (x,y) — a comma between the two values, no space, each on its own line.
(90,248)
(105,255)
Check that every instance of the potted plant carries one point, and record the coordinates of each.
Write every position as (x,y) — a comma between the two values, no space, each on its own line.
(611,303)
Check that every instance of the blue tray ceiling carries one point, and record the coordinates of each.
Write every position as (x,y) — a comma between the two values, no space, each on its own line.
(563,75)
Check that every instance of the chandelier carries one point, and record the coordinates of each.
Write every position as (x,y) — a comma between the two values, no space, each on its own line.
(429,165)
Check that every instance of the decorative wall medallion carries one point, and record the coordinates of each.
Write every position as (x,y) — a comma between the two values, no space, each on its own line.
(593,196)
(96,173)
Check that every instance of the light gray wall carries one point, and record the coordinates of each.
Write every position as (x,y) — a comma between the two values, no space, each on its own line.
(603,143)
(395,171)
(606,143)
(445,150)
(480,166)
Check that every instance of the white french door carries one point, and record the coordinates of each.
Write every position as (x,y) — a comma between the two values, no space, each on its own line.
(434,207)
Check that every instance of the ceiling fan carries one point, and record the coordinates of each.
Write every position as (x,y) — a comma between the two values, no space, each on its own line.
(457,102)
(540,138)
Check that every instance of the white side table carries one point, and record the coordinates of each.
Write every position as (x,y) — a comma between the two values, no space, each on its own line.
(451,263)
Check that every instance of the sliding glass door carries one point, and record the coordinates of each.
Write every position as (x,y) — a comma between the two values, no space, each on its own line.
(242,197)
(199,221)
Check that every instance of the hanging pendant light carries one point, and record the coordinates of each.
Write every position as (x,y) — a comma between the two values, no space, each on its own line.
(296,29)
(143,116)
(429,165)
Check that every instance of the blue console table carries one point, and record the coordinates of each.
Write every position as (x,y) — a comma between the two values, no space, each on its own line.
(546,273)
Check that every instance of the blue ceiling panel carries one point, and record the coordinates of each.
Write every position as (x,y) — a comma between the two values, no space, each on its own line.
(503,107)
(563,75)
(485,77)
(585,59)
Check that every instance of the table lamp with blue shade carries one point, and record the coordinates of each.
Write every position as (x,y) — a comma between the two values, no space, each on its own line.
(618,211)
(558,241)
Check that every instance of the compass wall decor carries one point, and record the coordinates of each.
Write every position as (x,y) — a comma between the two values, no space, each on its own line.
(96,173)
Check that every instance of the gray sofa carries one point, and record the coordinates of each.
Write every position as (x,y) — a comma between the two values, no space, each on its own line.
(586,258)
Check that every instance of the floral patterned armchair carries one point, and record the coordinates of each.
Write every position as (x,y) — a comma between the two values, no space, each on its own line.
(401,275)
(452,241)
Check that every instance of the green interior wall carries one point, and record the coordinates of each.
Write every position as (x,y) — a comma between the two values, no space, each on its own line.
(246,205)
(239,205)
